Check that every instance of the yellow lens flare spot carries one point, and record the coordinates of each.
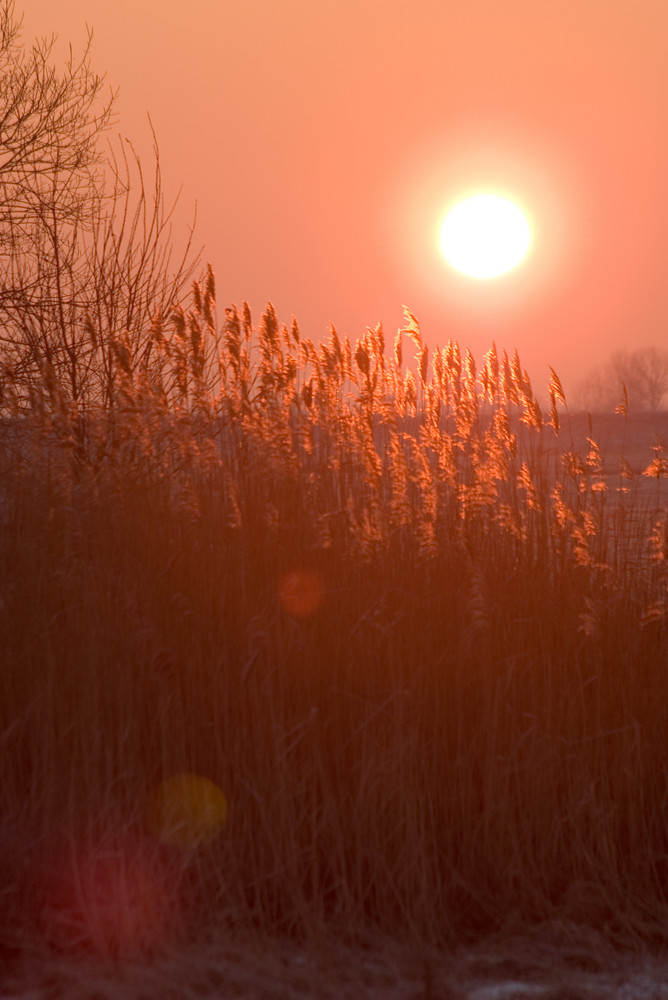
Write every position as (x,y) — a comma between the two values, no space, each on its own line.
(301,592)
(186,811)
(485,236)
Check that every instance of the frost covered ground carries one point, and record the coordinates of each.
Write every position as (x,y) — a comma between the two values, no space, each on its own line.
(500,969)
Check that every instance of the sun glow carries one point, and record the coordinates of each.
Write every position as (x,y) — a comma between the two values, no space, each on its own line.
(485,236)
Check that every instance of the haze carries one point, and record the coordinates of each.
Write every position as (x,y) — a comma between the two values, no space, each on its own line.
(324,142)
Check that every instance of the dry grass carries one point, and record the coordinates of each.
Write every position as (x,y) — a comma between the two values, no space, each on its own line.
(415,633)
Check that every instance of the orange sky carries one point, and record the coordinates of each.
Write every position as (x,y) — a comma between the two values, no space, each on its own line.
(324,142)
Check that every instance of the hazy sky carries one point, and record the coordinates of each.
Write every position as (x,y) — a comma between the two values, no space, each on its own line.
(324,141)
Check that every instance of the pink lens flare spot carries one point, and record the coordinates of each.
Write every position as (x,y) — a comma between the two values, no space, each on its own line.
(113,897)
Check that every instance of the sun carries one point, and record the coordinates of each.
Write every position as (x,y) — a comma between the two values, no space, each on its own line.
(485,235)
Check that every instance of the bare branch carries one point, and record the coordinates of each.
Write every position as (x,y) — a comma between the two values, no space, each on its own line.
(85,247)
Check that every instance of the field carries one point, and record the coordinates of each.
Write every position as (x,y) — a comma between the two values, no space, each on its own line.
(303,641)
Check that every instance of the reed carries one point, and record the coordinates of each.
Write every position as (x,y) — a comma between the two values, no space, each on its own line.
(411,629)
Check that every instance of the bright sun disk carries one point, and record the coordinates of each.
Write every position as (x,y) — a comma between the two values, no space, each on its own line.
(485,236)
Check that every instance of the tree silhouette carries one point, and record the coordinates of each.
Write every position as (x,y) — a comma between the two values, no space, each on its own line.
(85,247)
(50,123)
(643,372)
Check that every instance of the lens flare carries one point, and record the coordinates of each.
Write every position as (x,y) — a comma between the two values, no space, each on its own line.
(110,897)
(301,592)
(186,811)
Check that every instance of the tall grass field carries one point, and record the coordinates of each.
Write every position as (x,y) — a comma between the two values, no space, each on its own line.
(344,638)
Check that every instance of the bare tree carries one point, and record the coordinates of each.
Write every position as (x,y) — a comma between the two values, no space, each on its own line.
(85,246)
(643,372)
(87,285)
(596,392)
(50,124)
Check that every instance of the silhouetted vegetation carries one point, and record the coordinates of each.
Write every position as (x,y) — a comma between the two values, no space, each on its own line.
(303,637)
(85,246)
(640,375)
(414,636)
